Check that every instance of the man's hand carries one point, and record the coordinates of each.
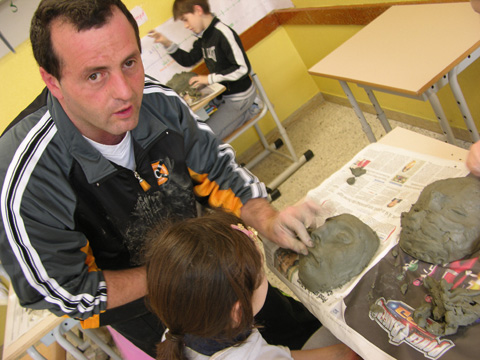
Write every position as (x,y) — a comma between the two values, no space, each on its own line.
(287,228)
(160,38)
(473,159)
(198,81)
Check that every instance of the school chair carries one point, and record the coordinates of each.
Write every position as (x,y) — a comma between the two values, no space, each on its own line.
(270,148)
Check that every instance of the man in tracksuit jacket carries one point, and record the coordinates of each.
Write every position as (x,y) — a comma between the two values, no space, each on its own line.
(99,159)
(226,60)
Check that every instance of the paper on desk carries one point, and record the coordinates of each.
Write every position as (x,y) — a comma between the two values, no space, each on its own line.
(391,173)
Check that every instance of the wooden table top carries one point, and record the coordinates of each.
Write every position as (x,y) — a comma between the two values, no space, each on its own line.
(407,49)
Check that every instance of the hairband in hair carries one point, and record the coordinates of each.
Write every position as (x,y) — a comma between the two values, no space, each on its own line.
(174,337)
(249,231)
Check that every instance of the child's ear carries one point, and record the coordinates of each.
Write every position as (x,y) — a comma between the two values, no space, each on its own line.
(197,10)
(236,313)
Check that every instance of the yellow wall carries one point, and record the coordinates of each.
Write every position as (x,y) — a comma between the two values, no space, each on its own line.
(294,48)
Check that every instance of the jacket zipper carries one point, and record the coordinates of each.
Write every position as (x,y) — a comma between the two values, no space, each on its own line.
(143,183)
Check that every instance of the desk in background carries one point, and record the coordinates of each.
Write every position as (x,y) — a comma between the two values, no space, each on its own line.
(398,166)
(409,50)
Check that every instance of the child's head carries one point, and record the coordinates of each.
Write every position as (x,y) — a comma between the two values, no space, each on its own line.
(202,274)
(182,7)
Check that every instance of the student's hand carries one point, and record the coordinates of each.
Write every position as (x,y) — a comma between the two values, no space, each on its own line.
(198,81)
(160,38)
(287,228)
(473,159)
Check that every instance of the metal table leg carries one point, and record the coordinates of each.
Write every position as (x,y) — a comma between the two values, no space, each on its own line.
(69,347)
(462,104)
(92,334)
(442,119)
(365,126)
(380,113)
(34,354)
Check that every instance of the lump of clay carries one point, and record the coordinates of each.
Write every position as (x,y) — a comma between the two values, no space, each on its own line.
(443,225)
(344,246)
(358,171)
(449,308)
(179,83)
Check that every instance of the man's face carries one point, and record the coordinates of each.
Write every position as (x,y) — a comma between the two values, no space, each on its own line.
(102,81)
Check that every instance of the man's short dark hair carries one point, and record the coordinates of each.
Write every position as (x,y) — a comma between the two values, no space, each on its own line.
(82,14)
(182,7)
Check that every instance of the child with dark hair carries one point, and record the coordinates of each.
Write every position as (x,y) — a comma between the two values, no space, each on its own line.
(226,60)
(206,282)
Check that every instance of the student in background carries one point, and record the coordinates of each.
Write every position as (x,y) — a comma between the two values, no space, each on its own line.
(226,60)
(206,282)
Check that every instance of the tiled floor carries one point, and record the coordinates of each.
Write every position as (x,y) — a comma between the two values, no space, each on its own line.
(334,135)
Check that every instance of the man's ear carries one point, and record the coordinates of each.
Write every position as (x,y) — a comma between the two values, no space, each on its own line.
(52,83)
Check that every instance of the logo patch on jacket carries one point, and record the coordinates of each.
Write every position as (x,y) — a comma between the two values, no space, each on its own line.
(160,171)
(209,53)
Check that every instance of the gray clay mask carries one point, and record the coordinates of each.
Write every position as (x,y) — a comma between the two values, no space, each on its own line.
(444,224)
(344,246)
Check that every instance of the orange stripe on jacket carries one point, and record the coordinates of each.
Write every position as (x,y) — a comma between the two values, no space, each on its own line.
(93,321)
(217,198)
(90,259)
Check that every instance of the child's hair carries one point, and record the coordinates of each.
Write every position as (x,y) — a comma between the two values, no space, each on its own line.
(197,269)
(182,7)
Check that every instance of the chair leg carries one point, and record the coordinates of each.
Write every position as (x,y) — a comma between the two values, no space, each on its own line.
(297,162)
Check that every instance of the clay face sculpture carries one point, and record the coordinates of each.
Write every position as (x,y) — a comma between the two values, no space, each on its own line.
(344,246)
(443,225)
(179,83)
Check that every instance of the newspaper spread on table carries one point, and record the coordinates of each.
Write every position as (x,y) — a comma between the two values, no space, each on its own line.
(393,181)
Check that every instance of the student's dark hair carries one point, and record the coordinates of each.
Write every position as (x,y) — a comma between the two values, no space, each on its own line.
(82,14)
(182,7)
(197,269)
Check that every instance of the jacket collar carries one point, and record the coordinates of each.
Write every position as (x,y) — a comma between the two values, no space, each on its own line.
(210,27)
